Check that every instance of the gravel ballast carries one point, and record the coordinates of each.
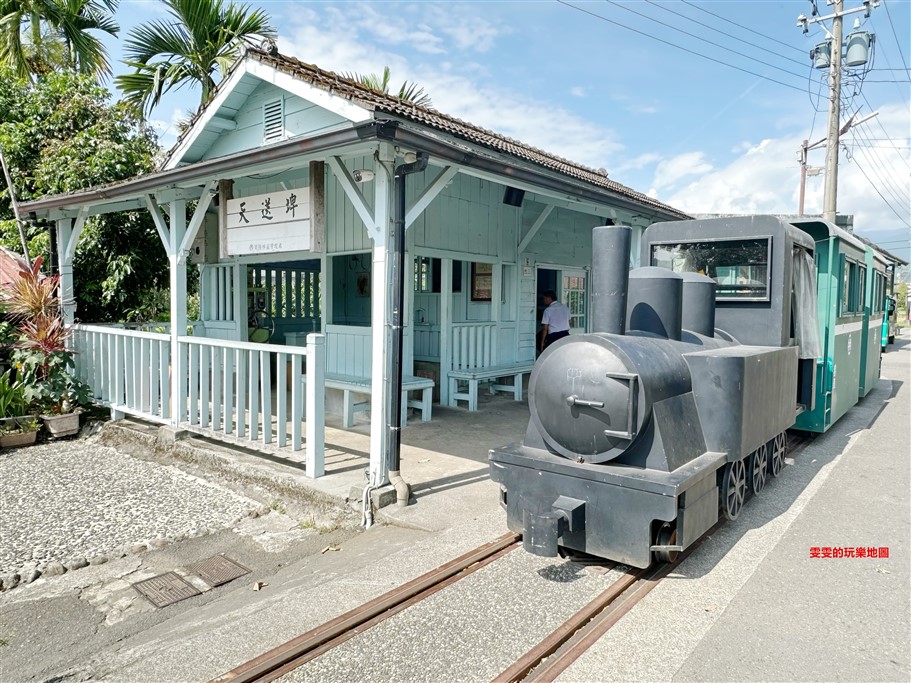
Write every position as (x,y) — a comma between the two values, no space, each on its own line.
(76,502)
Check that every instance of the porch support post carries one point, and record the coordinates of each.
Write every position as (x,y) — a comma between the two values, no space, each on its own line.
(65,294)
(445,328)
(381,316)
(178,273)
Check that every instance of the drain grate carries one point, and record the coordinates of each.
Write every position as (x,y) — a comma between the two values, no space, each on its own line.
(218,570)
(166,589)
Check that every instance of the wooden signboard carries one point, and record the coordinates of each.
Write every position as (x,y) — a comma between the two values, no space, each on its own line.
(282,221)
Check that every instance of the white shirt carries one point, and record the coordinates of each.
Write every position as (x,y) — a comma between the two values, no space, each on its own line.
(556,317)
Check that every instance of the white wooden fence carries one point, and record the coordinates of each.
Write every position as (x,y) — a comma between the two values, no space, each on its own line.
(128,370)
(245,391)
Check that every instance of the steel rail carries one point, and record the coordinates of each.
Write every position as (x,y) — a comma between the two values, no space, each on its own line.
(303,648)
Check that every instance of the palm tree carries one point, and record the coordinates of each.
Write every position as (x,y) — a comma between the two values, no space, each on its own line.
(200,42)
(409,92)
(37,36)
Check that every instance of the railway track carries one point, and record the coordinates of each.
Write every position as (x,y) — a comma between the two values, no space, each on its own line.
(542,663)
(308,646)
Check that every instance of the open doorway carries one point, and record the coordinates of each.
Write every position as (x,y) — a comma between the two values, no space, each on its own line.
(571,287)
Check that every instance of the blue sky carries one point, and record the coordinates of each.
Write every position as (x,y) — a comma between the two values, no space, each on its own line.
(593,82)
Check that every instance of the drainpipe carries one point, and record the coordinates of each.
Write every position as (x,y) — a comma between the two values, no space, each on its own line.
(394,419)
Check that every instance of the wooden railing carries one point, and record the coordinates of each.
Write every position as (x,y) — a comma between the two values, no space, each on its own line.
(249,392)
(254,392)
(128,370)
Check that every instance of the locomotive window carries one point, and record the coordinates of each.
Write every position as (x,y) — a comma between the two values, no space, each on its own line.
(740,267)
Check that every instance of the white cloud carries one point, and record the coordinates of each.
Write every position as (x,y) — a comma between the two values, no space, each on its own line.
(635,163)
(766,177)
(670,171)
(642,109)
(465,27)
(507,112)
(578,91)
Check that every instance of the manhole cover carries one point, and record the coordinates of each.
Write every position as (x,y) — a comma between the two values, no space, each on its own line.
(166,589)
(218,570)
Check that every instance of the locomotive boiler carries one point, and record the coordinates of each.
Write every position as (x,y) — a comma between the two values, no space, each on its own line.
(645,430)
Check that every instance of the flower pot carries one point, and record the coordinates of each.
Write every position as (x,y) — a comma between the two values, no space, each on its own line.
(62,425)
(18,439)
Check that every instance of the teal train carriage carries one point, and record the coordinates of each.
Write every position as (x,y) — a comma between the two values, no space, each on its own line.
(841,273)
(874,304)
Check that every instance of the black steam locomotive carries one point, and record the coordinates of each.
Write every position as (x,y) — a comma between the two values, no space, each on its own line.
(645,430)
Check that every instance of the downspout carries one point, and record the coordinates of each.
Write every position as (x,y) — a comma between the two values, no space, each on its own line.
(394,419)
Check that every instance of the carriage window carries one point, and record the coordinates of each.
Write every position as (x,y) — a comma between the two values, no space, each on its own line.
(740,267)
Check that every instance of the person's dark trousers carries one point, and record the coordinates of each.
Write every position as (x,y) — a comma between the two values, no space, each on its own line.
(554,336)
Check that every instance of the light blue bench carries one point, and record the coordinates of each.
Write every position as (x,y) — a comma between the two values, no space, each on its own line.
(352,384)
(472,377)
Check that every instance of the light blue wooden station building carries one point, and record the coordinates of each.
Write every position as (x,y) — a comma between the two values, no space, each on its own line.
(288,171)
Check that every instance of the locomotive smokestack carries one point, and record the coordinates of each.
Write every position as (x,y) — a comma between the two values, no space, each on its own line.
(699,304)
(610,277)
(655,297)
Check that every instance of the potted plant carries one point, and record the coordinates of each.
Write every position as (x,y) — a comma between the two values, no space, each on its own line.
(40,357)
(16,428)
(19,431)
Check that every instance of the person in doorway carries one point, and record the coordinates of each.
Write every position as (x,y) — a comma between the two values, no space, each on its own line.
(554,322)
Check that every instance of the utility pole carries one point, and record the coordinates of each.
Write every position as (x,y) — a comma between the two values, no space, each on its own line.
(831,187)
(835,66)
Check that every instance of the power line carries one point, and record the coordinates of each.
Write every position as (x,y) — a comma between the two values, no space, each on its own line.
(885,177)
(875,168)
(725,33)
(876,189)
(895,35)
(679,47)
(693,35)
(745,28)
(880,123)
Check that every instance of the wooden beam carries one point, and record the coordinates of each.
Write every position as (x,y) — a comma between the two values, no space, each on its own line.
(74,237)
(354,194)
(535,227)
(160,225)
(429,194)
(221,123)
(205,199)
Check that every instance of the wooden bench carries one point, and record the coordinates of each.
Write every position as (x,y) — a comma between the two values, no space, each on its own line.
(474,376)
(352,384)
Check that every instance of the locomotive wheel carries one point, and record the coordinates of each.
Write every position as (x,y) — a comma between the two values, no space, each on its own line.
(667,535)
(759,468)
(733,489)
(779,447)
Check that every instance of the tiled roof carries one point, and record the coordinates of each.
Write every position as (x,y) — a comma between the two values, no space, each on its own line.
(383,103)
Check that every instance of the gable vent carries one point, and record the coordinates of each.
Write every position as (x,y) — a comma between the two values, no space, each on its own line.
(273,120)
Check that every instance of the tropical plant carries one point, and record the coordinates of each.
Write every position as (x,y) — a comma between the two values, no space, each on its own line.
(195,47)
(43,363)
(31,295)
(40,36)
(409,91)
(13,401)
(61,134)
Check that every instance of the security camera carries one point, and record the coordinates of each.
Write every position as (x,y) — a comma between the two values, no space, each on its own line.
(362,176)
